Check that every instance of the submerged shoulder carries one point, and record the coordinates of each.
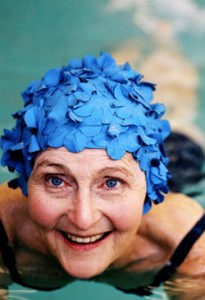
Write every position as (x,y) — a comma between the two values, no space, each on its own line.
(9,195)
(177,214)
(178,207)
(168,222)
(11,201)
(180,213)
(13,207)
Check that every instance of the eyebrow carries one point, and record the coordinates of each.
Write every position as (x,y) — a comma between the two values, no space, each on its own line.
(116,169)
(46,163)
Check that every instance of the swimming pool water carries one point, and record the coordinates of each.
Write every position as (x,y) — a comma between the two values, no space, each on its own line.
(37,35)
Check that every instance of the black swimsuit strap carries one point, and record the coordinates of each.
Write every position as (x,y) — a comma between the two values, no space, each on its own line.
(176,259)
(8,256)
(181,251)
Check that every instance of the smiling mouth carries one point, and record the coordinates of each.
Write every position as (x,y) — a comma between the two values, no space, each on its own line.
(85,240)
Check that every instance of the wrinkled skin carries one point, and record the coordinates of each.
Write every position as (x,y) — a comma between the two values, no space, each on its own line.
(70,196)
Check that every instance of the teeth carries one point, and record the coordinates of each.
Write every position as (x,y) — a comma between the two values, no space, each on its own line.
(86,240)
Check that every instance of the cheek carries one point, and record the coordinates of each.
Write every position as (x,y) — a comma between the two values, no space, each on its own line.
(41,211)
(128,216)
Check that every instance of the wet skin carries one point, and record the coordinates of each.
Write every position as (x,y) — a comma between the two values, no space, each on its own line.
(87,207)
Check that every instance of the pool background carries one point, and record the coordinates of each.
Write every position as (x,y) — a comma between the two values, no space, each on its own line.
(163,39)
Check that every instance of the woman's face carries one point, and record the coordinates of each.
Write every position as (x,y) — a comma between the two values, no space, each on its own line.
(87,207)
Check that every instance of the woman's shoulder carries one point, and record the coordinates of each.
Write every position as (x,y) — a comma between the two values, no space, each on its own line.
(178,207)
(10,199)
(10,195)
(14,213)
(177,216)
(12,203)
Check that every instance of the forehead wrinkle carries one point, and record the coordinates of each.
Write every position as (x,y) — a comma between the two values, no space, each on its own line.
(69,164)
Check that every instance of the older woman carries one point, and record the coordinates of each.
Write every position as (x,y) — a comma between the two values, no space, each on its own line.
(88,147)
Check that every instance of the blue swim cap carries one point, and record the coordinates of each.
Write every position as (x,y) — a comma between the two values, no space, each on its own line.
(91,103)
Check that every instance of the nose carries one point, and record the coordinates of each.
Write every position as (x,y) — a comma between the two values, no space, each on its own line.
(84,214)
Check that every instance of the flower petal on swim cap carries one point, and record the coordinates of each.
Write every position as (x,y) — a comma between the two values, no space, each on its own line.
(146,139)
(30,117)
(165,129)
(123,112)
(33,144)
(50,126)
(146,91)
(104,114)
(74,117)
(115,149)
(90,62)
(90,130)
(147,206)
(52,77)
(102,140)
(156,111)
(76,63)
(69,88)
(56,139)
(58,116)
(82,96)
(105,60)
(84,111)
(114,130)
(75,142)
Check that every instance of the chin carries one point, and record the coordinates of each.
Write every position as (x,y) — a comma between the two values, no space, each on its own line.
(83,274)
(83,261)
(81,271)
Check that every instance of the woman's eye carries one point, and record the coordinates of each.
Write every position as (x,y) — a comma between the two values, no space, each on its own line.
(55,181)
(111,183)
